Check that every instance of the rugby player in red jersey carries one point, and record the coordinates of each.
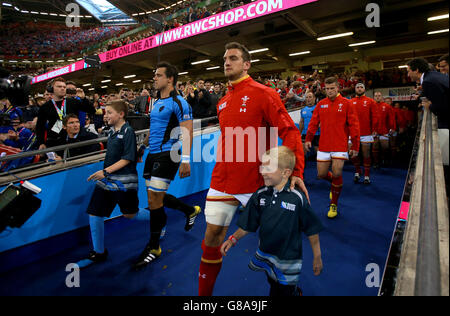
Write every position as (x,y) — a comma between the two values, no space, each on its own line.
(249,109)
(337,119)
(366,109)
(386,127)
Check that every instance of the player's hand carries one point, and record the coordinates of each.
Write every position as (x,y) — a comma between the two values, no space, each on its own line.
(353,153)
(96,176)
(308,146)
(225,247)
(185,170)
(297,181)
(317,265)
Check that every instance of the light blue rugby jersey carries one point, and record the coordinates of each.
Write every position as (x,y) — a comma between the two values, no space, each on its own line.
(306,114)
(165,116)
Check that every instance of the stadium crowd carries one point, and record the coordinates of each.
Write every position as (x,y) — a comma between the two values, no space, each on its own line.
(41,40)
(45,40)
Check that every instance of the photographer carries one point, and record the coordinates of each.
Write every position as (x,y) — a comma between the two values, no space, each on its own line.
(52,113)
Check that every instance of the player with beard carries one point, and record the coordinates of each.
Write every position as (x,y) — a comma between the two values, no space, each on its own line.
(368,121)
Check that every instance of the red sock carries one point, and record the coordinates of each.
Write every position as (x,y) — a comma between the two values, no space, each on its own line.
(357,164)
(367,163)
(336,188)
(209,269)
(329,177)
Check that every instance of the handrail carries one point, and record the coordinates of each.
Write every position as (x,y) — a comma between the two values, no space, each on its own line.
(423,268)
(428,272)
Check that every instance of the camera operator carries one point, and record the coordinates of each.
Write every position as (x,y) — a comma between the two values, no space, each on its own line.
(52,113)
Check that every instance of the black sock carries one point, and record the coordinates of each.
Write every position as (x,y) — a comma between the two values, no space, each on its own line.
(173,202)
(158,220)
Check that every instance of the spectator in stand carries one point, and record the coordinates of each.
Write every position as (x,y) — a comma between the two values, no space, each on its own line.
(199,100)
(47,96)
(7,108)
(435,90)
(30,111)
(204,13)
(75,134)
(90,126)
(215,96)
(51,114)
(443,64)
(20,136)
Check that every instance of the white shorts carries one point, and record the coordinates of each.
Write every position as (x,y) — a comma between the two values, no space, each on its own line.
(327,156)
(384,137)
(366,139)
(217,212)
(363,139)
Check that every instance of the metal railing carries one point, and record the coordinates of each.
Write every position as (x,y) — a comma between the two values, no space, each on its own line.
(423,268)
(46,167)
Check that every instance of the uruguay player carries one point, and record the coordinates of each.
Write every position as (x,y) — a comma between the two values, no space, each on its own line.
(169,112)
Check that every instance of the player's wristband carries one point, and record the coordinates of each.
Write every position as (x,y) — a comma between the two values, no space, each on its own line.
(233,240)
(106,173)
(185,159)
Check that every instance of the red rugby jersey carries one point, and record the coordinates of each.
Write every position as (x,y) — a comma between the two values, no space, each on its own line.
(337,120)
(386,118)
(400,118)
(366,109)
(250,106)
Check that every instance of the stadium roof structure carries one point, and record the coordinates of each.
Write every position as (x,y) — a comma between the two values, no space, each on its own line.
(59,6)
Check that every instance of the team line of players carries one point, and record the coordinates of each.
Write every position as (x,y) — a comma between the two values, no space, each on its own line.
(247,104)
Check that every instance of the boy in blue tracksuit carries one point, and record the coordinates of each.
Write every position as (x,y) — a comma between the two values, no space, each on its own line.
(281,215)
(116,183)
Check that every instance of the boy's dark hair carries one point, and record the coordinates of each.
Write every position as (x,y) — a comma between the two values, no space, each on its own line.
(170,72)
(331,80)
(235,45)
(67,117)
(419,64)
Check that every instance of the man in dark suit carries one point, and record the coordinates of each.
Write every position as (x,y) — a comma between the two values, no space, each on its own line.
(73,133)
(435,90)
(51,114)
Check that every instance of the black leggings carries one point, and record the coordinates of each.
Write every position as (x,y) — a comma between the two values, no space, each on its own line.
(277,289)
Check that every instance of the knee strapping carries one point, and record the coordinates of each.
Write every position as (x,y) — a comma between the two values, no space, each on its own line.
(219,213)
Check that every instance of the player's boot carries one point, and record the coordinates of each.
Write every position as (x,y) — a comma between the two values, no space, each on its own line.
(147,256)
(190,220)
(366,180)
(332,213)
(93,258)
(356,178)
